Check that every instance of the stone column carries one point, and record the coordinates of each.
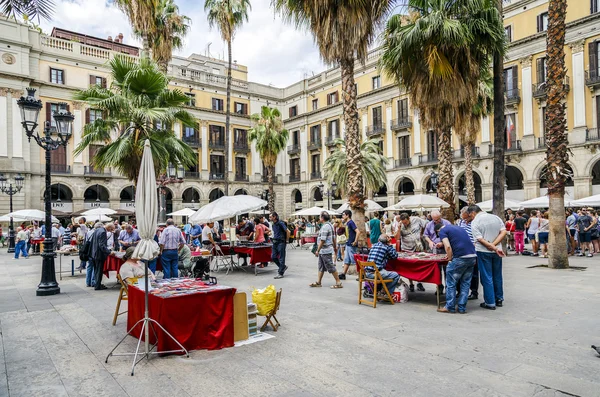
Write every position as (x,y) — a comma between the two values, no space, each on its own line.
(78,126)
(416,132)
(4,121)
(389,135)
(527,95)
(578,84)
(324,135)
(204,132)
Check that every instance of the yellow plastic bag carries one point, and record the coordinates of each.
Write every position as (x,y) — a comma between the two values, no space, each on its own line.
(264,299)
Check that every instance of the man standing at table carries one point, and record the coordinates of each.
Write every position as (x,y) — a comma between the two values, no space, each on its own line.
(128,237)
(465,224)
(435,244)
(380,253)
(170,241)
(98,253)
(461,254)
(409,233)
(488,232)
(280,237)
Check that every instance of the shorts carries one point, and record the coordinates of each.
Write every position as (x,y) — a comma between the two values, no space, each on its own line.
(594,236)
(349,255)
(531,237)
(326,263)
(572,231)
(543,237)
(585,237)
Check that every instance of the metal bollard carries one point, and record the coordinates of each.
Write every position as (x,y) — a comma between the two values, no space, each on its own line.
(72,267)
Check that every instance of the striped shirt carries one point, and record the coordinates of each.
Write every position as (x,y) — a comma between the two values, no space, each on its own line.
(380,253)
(170,238)
(467,226)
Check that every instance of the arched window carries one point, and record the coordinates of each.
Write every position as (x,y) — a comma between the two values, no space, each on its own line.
(96,193)
(240,192)
(406,187)
(190,195)
(127,194)
(60,192)
(297,196)
(215,194)
(514,178)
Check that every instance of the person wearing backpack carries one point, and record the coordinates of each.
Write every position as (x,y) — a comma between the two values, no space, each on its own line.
(84,256)
(326,249)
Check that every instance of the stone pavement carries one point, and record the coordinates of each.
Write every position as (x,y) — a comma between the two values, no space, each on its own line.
(538,344)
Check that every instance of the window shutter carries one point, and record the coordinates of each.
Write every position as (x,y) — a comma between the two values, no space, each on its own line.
(48,112)
(64,77)
(540,70)
(87,116)
(337,97)
(68,107)
(92,79)
(515,77)
(539,23)
(593,54)
(103,82)
(245,108)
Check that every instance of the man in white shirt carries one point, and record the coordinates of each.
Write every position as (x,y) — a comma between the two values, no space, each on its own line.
(488,231)
(56,236)
(207,235)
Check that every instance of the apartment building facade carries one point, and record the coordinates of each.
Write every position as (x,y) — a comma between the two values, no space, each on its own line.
(62,62)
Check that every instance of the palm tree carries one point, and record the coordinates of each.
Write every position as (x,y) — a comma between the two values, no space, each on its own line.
(373,164)
(28,9)
(171,28)
(556,133)
(228,16)
(137,107)
(437,52)
(343,31)
(142,17)
(499,130)
(270,138)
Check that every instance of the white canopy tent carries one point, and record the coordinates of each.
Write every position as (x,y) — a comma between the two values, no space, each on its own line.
(542,202)
(98,211)
(421,202)
(94,218)
(591,201)
(370,206)
(227,207)
(508,203)
(314,211)
(29,215)
(183,212)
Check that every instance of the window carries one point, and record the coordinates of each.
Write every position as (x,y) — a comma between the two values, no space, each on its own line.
(293,111)
(594,58)
(189,133)
(542,70)
(404,147)
(240,108)
(240,138)
(191,99)
(508,33)
(333,130)
(98,81)
(511,82)
(542,22)
(315,104)
(315,163)
(295,169)
(217,104)
(217,166)
(511,131)
(376,82)
(594,6)
(315,133)
(57,76)
(50,109)
(240,168)
(432,144)
(403,110)
(377,119)
(217,135)
(332,98)
(92,115)
(543,132)
(296,138)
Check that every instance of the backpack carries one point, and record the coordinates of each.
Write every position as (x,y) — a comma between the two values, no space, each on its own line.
(84,252)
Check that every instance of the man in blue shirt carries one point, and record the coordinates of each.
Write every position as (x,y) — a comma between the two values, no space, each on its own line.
(461,254)
(281,235)
(195,232)
(380,253)
(352,233)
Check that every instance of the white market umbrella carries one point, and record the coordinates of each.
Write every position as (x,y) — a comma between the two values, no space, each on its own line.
(591,201)
(227,207)
(488,205)
(98,211)
(94,218)
(30,215)
(421,201)
(370,206)
(183,212)
(314,211)
(541,202)
(260,212)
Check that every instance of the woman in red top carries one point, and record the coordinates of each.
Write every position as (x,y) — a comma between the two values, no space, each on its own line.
(510,228)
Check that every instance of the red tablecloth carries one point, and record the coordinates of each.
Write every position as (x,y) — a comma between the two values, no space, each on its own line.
(113,263)
(257,254)
(308,240)
(422,270)
(201,320)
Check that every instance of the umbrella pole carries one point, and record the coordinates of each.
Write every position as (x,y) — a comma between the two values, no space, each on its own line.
(147,323)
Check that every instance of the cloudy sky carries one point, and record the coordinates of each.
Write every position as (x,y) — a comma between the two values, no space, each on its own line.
(275,53)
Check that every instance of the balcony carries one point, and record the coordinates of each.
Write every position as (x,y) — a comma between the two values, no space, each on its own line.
(376,129)
(241,178)
(192,141)
(217,176)
(460,153)
(512,97)
(217,144)
(428,158)
(513,146)
(89,170)
(592,77)
(330,140)
(241,146)
(540,90)
(191,175)
(315,175)
(294,149)
(295,177)
(403,163)
(314,144)
(592,134)
(60,169)
(402,123)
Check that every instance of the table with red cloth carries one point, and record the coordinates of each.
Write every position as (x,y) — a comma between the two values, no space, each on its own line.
(256,254)
(114,261)
(35,243)
(198,320)
(308,239)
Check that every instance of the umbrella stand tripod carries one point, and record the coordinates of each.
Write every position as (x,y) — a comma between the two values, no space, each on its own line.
(148,323)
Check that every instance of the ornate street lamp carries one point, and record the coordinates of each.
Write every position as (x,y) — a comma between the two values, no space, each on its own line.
(329,192)
(52,139)
(173,174)
(11,190)
(434,181)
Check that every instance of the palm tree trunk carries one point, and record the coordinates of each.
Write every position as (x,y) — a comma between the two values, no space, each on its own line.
(227,117)
(145,47)
(499,133)
(446,185)
(556,153)
(355,188)
(469,182)
(270,175)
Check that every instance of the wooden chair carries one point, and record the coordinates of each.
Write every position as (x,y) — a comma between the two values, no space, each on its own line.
(271,315)
(376,280)
(122,297)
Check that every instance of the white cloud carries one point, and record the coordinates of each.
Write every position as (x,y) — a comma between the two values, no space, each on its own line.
(275,53)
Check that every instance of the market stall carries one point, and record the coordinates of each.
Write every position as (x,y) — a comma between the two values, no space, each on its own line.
(113,263)
(207,310)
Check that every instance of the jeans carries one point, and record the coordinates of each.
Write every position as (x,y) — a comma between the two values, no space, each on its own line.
(169,259)
(490,272)
(387,275)
(90,281)
(475,280)
(349,255)
(152,265)
(278,255)
(458,272)
(98,271)
(519,241)
(21,248)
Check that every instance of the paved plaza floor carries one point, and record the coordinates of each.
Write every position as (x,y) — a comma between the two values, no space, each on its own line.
(538,344)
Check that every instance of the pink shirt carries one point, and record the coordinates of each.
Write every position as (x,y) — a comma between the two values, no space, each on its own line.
(259,233)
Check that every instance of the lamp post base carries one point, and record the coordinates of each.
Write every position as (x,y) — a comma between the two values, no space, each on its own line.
(45,291)
(48,285)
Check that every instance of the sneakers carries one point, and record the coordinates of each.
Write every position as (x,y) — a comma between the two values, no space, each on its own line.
(278,276)
(473,297)
(499,303)
(420,287)
(590,255)
(412,288)
(483,305)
